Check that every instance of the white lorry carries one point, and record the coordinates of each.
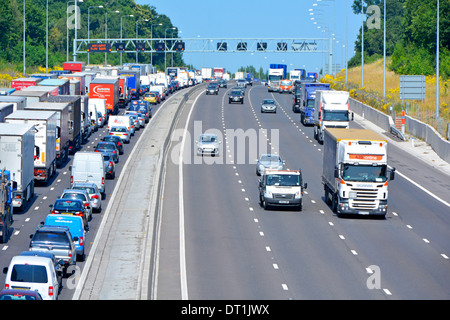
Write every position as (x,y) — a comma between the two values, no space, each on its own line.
(44,144)
(281,188)
(331,110)
(16,156)
(355,171)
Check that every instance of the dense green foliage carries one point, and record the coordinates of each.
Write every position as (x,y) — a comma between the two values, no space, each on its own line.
(410,36)
(11,30)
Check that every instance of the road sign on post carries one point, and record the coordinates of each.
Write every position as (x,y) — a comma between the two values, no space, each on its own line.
(412,87)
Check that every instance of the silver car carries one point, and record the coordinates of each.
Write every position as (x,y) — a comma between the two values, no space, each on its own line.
(208,144)
(269,161)
(122,132)
(94,194)
(269,105)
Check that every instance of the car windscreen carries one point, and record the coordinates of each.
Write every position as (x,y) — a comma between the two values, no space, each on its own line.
(106,146)
(208,139)
(29,273)
(268,102)
(236,93)
(283,180)
(88,189)
(270,158)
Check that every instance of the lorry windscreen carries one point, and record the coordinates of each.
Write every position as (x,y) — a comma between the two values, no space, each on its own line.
(285,180)
(329,115)
(366,173)
(310,103)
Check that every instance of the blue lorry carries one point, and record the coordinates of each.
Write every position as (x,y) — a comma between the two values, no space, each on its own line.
(307,100)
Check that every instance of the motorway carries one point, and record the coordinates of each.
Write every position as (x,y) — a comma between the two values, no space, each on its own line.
(213,240)
(217,242)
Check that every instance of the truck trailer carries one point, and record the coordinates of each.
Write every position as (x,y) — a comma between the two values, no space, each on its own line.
(44,145)
(307,101)
(63,127)
(17,141)
(331,110)
(107,89)
(6,208)
(355,171)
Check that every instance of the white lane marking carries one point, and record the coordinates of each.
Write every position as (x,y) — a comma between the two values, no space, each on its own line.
(284,286)
(423,189)
(387,292)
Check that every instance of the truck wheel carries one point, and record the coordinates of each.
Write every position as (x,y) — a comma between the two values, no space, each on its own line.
(334,202)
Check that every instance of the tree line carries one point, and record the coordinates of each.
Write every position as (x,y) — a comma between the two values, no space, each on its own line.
(12,20)
(410,36)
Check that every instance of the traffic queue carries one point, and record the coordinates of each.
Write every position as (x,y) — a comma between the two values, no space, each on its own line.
(42,125)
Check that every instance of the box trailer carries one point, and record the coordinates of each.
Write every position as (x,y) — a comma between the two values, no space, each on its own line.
(62,84)
(74,66)
(63,126)
(107,89)
(17,141)
(20,83)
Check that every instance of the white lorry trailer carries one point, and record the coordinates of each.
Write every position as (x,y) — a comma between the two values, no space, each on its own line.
(331,110)
(43,156)
(355,171)
(16,156)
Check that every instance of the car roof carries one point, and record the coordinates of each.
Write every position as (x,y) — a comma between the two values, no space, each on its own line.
(74,200)
(59,229)
(34,260)
(84,184)
(73,191)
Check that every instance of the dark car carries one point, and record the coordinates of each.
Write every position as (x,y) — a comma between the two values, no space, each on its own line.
(104,146)
(213,88)
(236,96)
(222,83)
(117,140)
(110,169)
(19,294)
(71,206)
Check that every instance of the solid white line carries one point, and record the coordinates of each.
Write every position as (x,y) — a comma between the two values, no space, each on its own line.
(183,276)
(423,189)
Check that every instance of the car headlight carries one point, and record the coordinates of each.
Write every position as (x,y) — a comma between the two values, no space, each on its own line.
(268,194)
(298,195)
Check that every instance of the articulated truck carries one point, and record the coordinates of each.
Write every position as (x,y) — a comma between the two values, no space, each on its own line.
(355,171)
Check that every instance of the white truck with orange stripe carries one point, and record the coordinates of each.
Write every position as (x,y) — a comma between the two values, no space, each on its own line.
(355,171)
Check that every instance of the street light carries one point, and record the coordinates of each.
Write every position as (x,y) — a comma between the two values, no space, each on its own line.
(151,36)
(106,30)
(24,37)
(67,25)
(89,25)
(137,36)
(165,43)
(128,15)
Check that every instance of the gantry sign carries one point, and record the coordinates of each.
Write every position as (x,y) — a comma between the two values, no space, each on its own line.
(212,45)
(173,45)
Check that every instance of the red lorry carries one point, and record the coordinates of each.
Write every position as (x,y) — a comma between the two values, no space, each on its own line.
(107,89)
(20,83)
(74,66)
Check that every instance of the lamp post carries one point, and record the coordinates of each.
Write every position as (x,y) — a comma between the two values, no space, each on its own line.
(89,26)
(151,36)
(165,43)
(106,31)
(137,35)
(67,26)
(128,15)
(437,60)
(24,38)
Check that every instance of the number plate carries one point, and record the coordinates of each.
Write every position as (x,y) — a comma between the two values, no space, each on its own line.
(283,201)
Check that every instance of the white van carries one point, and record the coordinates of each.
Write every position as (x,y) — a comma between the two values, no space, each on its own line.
(120,121)
(100,105)
(33,273)
(88,166)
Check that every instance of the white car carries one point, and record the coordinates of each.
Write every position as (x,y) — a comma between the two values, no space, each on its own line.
(269,161)
(208,144)
(33,273)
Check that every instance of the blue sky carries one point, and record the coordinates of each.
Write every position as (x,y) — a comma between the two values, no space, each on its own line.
(205,19)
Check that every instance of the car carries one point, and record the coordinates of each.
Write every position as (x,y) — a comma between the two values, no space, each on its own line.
(95,195)
(70,206)
(104,146)
(269,161)
(213,88)
(222,83)
(76,230)
(157,95)
(135,125)
(151,97)
(32,274)
(20,294)
(121,132)
(268,105)
(58,263)
(140,117)
(110,169)
(56,240)
(236,96)
(249,82)
(208,143)
(82,195)
(241,83)
(241,89)
(117,140)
